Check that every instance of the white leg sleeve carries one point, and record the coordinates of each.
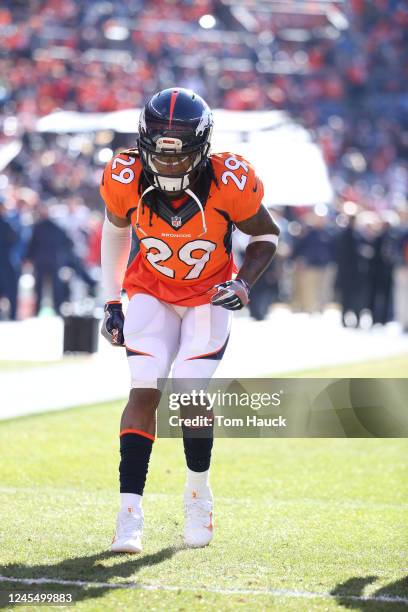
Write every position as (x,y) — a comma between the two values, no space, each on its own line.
(115,247)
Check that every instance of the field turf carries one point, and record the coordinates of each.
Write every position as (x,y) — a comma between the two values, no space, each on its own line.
(300,524)
(390,367)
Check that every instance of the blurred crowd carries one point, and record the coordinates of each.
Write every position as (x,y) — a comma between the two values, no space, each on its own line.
(55,249)
(353,258)
(339,68)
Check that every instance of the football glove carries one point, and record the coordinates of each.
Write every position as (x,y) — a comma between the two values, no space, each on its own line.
(232,295)
(112,326)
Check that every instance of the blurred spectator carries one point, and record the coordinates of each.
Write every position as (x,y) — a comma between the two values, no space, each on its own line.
(350,273)
(368,226)
(401,274)
(313,255)
(381,276)
(18,221)
(75,219)
(8,239)
(47,251)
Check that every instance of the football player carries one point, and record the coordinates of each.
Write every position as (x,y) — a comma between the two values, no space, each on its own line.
(183,203)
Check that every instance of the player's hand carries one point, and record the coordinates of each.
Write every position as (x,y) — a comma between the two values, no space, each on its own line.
(112,326)
(233,294)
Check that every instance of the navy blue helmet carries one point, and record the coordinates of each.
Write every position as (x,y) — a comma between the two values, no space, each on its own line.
(174,138)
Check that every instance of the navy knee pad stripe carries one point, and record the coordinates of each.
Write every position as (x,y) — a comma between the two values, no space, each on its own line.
(218,354)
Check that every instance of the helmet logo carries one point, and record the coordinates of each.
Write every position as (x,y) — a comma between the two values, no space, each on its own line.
(205,121)
(176,222)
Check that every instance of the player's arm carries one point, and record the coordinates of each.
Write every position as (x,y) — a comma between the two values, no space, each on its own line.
(262,245)
(115,247)
(264,233)
(117,221)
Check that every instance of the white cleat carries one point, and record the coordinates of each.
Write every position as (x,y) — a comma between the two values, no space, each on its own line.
(129,529)
(198,514)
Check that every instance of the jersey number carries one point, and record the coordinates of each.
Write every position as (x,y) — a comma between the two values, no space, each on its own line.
(233,164)
(185,254)
(126,175)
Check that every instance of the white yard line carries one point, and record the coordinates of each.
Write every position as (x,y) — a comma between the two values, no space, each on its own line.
(153,587)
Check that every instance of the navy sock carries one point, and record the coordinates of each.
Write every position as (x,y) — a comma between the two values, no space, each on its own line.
(135,451)
(198,445)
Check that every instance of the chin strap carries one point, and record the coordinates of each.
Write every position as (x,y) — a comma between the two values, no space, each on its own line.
(188,192)
(200,206)
(150,188)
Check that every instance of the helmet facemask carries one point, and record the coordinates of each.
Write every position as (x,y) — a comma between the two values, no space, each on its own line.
(172,167)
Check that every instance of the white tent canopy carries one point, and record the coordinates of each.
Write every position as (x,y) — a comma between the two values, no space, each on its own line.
(8,152)
(126,121)
(289,163)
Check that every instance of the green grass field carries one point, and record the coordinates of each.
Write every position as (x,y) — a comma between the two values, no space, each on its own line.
(314,524)
(6,366)
(392,367)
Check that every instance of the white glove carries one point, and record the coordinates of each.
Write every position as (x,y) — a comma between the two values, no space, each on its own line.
(232,295)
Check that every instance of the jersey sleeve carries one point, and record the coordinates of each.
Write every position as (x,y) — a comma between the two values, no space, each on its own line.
(246,202)
(119,184)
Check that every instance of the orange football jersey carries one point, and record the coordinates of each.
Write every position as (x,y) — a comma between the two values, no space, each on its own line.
(182,255)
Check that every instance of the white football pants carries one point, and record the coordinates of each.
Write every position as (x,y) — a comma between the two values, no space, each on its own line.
(159,335)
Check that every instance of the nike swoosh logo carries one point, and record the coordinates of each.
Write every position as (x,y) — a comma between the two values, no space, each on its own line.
(254,189)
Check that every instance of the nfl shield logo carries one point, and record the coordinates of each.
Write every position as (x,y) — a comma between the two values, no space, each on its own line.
(176,221)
